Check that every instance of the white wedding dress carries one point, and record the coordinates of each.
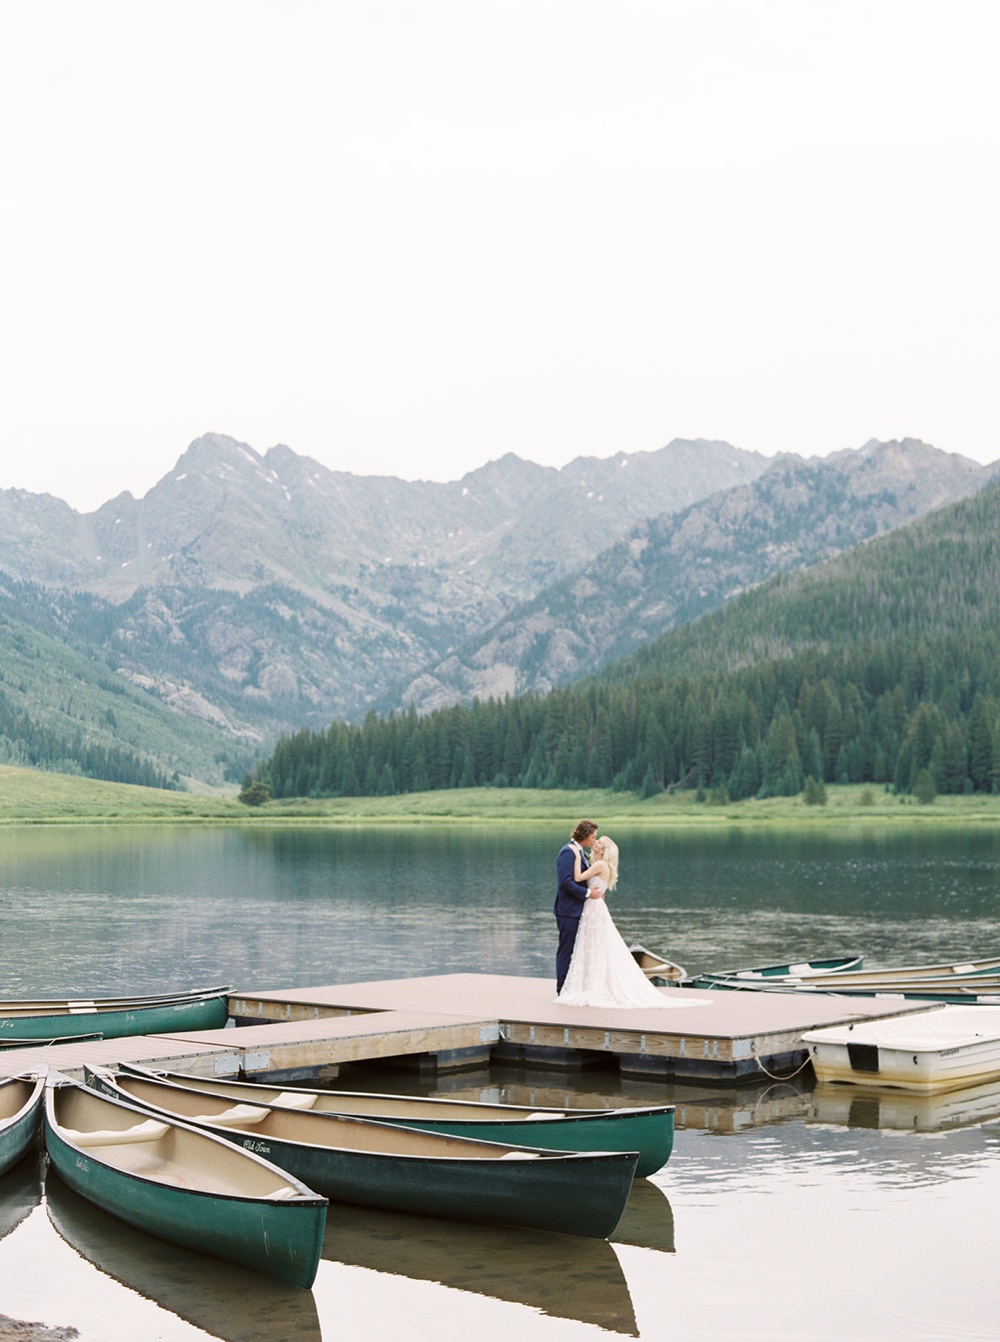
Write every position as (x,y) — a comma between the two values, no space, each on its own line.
(603,972)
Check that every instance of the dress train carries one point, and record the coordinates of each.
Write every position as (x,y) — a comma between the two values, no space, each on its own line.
(603,972)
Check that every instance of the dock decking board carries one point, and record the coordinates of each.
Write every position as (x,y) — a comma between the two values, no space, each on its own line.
(723,1038)
(722,1035)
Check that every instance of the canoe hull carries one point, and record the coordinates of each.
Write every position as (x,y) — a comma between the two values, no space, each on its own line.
(776,974)
(282,1238)
(18,1130)
(657,967)
(396,1167)
(154,1018)
(648,1130)
(223,1300)
(567,1196)
(652,1135)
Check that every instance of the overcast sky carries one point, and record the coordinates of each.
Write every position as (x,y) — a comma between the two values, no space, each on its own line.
(407,236)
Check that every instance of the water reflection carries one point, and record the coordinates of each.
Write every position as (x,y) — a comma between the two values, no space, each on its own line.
(20,1193)
(769,1184)
(222,1299)
(702,1106)
(558,1275)
(648,1219)
(881,1107)
(140,908)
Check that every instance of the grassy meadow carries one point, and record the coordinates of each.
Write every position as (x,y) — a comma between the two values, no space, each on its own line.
(30,796)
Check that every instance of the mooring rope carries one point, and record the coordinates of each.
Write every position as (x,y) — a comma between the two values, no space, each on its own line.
(774,1076)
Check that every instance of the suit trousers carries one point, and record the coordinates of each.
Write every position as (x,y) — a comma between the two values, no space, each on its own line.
(568,928)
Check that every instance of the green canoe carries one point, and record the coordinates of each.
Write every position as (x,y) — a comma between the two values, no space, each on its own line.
(185,1185)
(781,975)
(20,1112)
(114,1017)
(226,1301)
(648,1130)
(403,1168)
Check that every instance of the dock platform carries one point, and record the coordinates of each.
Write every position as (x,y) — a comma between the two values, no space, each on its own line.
(454,1021)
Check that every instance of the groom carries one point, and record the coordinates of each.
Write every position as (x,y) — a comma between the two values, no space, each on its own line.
(570,896)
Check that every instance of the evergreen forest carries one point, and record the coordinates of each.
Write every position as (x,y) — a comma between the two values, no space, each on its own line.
(25,741)
(881,666)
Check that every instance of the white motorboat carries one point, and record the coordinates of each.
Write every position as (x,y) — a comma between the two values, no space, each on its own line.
(940,1049)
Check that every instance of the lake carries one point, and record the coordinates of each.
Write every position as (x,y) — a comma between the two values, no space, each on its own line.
(786,1208)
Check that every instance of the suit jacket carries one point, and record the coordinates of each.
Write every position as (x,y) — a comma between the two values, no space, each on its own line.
(570,894)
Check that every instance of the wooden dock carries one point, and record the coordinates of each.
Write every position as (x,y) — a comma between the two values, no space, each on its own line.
(463,1020)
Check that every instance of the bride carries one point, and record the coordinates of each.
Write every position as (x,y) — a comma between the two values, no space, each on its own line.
(602,972)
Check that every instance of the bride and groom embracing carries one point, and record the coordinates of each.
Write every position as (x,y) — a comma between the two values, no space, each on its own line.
(594,967)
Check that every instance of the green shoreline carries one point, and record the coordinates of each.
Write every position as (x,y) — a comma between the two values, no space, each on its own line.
(33,797)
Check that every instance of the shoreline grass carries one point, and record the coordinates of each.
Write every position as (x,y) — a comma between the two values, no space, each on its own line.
(34,797)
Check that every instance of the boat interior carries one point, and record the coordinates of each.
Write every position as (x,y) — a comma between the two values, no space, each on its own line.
(161,1151)
(327,1130)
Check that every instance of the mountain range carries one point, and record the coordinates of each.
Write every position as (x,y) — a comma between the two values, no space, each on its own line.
(672,568)
(246,595)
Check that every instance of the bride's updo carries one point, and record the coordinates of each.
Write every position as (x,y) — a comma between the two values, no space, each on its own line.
(609,851)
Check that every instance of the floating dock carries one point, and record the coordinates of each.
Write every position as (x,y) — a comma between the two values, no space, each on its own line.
(454,1021)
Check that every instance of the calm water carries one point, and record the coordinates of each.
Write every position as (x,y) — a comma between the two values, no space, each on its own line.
(785,1210)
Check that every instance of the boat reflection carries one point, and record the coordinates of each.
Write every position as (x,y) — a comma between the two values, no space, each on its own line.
(856,1106)
(648,1219)
(226,1301)
(20,1193)
(559,1275)
(710,1108)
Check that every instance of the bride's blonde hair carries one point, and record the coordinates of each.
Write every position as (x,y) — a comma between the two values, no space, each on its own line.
(609,851)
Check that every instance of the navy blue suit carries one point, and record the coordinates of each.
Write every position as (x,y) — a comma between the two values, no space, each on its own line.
(570,896)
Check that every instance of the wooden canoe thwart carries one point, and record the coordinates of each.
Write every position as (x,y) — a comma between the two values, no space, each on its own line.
(114,1017)
(20,1115)
(405,1169)
(183,1184)
(648,1130)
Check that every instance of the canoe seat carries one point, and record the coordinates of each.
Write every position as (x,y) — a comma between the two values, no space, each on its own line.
(542,1118)
(149,1131)
(285,1194)
(240,1115)
(295,1099)
(521,1155)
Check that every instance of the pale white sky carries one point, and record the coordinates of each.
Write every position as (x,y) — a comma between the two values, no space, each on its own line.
(406,236)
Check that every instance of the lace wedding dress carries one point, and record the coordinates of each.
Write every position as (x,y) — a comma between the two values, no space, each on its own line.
(602,972)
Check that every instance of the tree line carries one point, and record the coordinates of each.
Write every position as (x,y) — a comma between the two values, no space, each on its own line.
(25,741)
(876,714)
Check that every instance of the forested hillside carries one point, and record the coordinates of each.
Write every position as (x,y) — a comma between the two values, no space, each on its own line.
(64,707)
(876,666)
(675,567)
